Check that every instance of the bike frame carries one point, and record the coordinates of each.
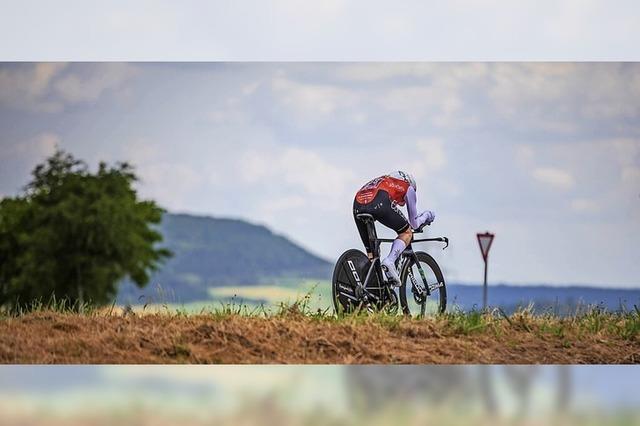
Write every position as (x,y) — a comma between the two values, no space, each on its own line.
(409,253)
(376,265)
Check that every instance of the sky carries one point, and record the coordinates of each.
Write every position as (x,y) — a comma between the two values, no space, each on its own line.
(545,155)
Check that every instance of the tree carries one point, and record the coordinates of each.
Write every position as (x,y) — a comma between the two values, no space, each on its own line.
(75,235)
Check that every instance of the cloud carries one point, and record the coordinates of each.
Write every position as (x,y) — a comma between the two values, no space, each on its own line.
(27,87)
(306,171)
(631,176)
(564,97)
(311,103)
(227,116)
(17,160)
(43,73)
(435,72)
(437,100)
(34,149)
(627,151)
(594,162)
(439,105)
(250,88)
(596,173)
(254,166)
(50,87)
(302,192)
(524,154)
(437,94)
(627,154)
(537,97)
(383,71)
(432,153)
(585,205)
(79,87)
(42,145)
(315,174)
(556,178)
(171,183)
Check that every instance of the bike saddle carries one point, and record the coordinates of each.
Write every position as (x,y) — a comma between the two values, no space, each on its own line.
(364,217)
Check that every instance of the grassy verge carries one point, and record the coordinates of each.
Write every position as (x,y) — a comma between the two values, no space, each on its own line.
(590,321)
(297,333)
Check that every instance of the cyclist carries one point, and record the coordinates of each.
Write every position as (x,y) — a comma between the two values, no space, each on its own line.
(380,198)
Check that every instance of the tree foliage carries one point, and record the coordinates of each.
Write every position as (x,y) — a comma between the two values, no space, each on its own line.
(74,234)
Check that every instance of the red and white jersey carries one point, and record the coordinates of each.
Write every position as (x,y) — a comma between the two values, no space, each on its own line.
(393,184)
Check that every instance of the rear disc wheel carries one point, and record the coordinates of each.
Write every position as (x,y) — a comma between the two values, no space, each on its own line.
(348,274)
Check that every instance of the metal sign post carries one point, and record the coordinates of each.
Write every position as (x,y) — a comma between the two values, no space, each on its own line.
(484,241)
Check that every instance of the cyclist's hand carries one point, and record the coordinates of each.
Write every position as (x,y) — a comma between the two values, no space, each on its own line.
(427,216)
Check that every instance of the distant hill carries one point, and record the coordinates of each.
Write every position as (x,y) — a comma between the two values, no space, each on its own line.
(211,252)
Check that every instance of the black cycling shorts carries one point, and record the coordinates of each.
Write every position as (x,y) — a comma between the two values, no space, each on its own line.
(385,211)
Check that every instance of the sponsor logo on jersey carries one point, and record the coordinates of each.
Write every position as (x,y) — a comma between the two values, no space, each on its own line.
(395,185)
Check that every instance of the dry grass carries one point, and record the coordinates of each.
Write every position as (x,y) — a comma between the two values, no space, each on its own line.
(291,336)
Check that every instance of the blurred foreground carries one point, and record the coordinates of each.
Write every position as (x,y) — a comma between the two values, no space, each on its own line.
(275,395)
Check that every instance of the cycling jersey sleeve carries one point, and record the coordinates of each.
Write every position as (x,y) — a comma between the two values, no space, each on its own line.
(411,201)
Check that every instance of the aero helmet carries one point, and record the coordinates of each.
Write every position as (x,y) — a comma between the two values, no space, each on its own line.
(407,177)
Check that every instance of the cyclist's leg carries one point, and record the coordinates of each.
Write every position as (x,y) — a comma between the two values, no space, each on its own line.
(389,214)
(406,235)
(392,217)
(399,244)
(362,228)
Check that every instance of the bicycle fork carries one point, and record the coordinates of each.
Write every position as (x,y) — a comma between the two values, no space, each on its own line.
(424,287)
(420,290)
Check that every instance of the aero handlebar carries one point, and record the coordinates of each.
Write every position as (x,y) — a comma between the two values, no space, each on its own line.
(444,240)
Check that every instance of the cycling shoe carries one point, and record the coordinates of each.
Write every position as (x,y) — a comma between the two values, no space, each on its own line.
(390,271)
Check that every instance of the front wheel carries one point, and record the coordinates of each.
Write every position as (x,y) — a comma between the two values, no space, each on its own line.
(418,276)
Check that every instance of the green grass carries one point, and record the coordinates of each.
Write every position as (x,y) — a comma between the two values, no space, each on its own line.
(50,304)
(595,321)
(588,322)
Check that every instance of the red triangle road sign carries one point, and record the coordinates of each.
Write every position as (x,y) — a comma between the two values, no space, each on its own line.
(485,240)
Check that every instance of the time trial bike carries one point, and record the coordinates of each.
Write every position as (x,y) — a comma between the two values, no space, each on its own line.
(359,283)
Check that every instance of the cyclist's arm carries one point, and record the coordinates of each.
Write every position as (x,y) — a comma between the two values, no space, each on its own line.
(415,220)
(411,200)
